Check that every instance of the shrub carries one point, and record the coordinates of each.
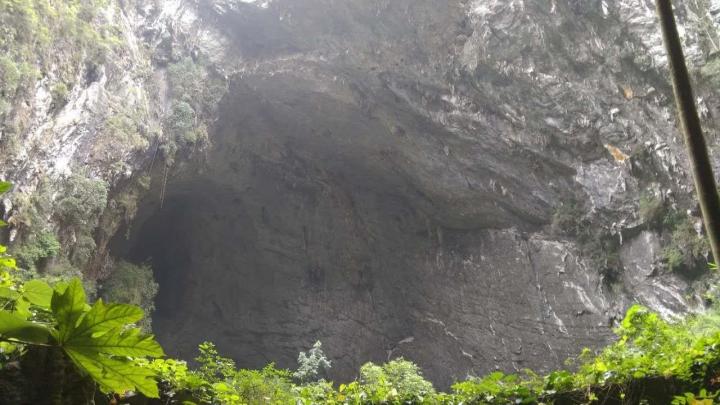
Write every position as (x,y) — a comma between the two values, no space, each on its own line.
(257,387)
(398,380)
(181,123)
(702,398)
(652,209)
(311,364)
(602,249)
(499,388)
(686,248)
(59,94)
(83,200)
(191,82)
(121,129)
(9,76)
(217,381)
(683,352)
(37,249)
(132,284)
(650,346)
(195,92)
(599,246)
(60,270)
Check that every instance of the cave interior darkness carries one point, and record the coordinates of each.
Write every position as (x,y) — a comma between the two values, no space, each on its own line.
(309,219)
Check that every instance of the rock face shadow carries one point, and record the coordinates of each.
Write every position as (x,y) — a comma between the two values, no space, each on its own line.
(310,220)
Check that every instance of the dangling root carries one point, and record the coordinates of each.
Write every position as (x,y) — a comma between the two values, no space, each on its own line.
(162,191)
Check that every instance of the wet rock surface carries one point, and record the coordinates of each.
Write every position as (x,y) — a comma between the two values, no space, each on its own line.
(382,174)
(381,179)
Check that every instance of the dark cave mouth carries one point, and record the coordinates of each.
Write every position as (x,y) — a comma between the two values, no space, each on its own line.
(267,265)
(296,226)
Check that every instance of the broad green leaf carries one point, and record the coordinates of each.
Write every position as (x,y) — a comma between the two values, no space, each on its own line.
(2,223)
(38,293)
(101,318)
(68,304)
(8,262)
(8,293)
(14,327)
(130,343)
(22,308)
(5,187)
(113,374)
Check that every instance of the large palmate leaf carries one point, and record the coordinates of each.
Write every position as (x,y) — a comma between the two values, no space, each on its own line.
(38,292)
(130,343)
(103,317)
(100,342)
(68,304)
(115,375)
(15,327)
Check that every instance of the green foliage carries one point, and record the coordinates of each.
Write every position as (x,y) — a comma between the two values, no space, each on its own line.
(397,380)
(702,398)
(5,187)
(37,36)
(100,343)
(652,209)
(14,76)
(499,388)
(132,284)
(195,92)
(191,82)
(121,132)
(59,93)
(181,123)
(686,248)
(603,251)
(311,364)
(82,202)
(216,381)
(82,250)
(213,366)
(598,245)
(36,249)
(650,346)
(99,340)
(32,211)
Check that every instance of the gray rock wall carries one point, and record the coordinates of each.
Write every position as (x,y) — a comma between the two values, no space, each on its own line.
(381,176)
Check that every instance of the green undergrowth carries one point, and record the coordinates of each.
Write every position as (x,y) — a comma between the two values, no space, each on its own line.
(681,358)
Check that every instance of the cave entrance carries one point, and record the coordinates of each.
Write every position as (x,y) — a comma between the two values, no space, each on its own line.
(309,218)
(264,265)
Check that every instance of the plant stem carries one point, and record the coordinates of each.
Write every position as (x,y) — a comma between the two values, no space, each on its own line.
(697,149)
(2,339)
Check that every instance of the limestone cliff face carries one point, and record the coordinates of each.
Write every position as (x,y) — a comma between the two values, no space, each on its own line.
(381,175)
